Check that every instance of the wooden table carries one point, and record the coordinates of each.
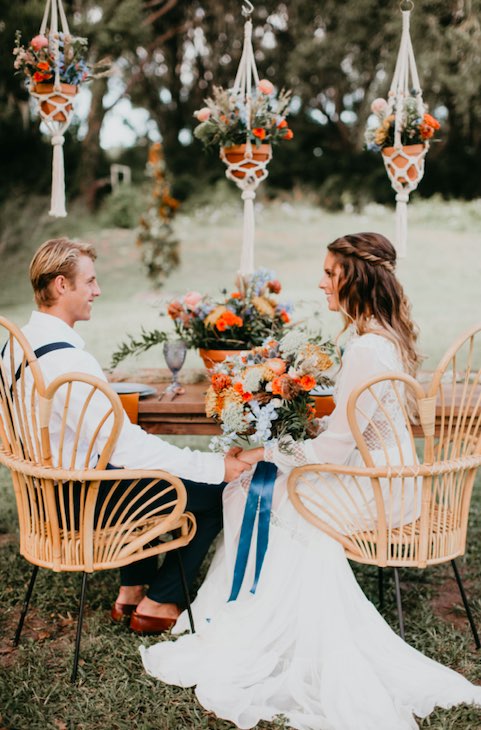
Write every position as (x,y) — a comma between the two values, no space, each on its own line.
(185,415)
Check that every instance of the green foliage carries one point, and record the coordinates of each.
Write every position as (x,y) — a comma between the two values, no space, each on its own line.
(122,208)
(135,347)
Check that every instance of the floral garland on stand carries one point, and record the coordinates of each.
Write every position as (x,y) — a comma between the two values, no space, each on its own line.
(244,121)
(403,129)
(160,247)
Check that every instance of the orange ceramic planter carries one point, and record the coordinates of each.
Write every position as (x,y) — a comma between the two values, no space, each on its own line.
(236,153)
(392,159)
(213,357)
(65,91)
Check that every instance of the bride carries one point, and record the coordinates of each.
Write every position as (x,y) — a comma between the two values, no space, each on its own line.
(308,645)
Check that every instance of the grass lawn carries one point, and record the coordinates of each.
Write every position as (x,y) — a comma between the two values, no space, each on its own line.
(441,275)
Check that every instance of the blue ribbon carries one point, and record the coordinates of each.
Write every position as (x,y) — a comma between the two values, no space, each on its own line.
(259,502)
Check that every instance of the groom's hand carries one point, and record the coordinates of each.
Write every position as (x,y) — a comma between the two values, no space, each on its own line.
(252,456)
(233,466)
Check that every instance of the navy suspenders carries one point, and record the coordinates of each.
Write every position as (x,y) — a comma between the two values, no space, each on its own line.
(44,350)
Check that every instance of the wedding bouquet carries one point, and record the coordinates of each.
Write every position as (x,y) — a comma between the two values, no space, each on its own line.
(267,394)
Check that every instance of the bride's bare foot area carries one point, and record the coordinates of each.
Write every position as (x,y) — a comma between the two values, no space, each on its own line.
(148,607)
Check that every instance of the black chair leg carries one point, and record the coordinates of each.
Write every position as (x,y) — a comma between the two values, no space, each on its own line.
(79,627)
(399,603)
(466,604)
(186,591)
(380,585)
(26,602)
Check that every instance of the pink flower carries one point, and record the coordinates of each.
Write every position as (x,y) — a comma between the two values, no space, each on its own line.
(203,115)
(192,299)
(265,87)
(379,106)
(38,42)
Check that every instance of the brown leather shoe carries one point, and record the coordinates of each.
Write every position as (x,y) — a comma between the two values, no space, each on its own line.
(122,611)
(150,624)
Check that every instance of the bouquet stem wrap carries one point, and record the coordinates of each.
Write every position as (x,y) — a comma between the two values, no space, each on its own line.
(258,504)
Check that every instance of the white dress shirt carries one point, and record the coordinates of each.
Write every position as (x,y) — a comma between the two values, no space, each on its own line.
(135,448)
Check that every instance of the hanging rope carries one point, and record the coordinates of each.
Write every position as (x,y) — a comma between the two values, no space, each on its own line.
(247,164)
(56,105)
(404,164)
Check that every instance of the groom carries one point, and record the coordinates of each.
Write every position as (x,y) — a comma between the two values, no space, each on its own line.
(64,282)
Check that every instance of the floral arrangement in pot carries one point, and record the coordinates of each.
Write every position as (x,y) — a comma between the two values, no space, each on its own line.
(268,393)
(39,60)
(228,120)
(238,320)
(418,127)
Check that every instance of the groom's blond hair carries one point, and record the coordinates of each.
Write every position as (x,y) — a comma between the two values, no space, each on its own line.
(56,257)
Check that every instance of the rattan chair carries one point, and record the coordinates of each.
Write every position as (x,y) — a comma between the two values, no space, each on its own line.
(405,512)
(72,517)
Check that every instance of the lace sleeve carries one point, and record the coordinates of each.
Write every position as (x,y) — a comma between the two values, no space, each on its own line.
(292,454)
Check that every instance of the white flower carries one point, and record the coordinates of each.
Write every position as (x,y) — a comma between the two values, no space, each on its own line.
(292,342)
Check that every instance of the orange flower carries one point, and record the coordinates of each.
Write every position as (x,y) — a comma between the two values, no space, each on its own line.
(282,124)
(307,382)
(259,132)
(174,309)
(246,397)
(239,388)
(425,131)
(430,121)
(311,412)
(289,134)
(277,365)
(284,316)
(220,381)
(43,66)
(41,77)
(277,386)
(228,319)
(236,295)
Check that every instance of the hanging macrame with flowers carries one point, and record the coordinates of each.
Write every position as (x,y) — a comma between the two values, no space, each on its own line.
(403,129)
(54,64)
(245,121)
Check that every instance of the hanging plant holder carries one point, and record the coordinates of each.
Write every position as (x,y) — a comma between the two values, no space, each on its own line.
(404,163)
(56,104)
(244,121)
(246,163)
(403,129)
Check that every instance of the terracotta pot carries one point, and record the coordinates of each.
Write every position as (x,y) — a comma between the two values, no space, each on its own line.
(324,405)
(65,91)
(212,357)
(236,153)
(392,160)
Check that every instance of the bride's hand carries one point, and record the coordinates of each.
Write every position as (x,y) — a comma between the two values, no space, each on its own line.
(252,456)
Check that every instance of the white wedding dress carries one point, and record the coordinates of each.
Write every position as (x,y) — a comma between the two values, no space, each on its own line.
(308,644)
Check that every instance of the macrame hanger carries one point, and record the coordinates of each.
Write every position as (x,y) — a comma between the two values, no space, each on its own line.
(56,108)
(249,169)
(405,166)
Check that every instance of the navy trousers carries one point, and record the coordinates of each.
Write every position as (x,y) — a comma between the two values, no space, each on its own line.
(165,586)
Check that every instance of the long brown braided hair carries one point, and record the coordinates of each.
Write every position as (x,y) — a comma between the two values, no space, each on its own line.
(368,287)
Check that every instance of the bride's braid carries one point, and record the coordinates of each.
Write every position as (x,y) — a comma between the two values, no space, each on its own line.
(368,287)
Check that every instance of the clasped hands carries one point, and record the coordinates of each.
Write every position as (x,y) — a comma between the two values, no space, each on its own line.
(238,460)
